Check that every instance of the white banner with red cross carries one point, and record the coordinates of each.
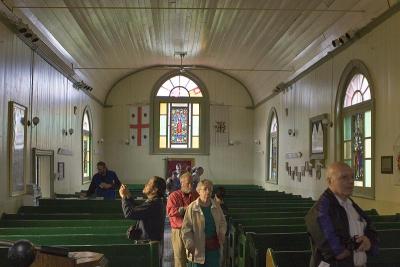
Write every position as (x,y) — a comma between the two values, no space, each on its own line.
(139,125)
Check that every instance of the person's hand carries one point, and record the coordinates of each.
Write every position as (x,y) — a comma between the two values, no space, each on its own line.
(346,253)
(182,211)
(124,192)
(191,249)
(365,244)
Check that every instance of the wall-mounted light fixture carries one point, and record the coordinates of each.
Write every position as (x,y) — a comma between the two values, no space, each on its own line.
(100,141)
(257,141)
(341,40)
(26,33)
(292,132)
(82,86)
(70,131)
(35,120)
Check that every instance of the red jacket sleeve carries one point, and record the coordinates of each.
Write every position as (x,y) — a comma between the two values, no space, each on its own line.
(173,206)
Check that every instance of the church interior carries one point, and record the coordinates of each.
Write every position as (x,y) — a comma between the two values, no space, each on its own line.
(263,95)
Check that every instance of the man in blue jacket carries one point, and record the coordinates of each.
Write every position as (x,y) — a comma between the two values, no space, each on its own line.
(341,233)
(104,183)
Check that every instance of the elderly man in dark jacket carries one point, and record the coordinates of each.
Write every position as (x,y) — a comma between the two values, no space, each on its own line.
(341,233)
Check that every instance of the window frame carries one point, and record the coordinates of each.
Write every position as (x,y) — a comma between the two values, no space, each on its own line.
(88,179)
(203,122)
(271,115)
(353,68)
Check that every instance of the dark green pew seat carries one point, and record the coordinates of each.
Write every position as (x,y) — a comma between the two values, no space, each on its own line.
(259,243)
(388,257)
(63,223)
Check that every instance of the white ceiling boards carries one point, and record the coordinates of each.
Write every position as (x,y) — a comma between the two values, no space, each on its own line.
(260,43)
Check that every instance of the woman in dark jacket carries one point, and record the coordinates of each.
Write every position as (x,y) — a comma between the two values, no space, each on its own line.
(151,214)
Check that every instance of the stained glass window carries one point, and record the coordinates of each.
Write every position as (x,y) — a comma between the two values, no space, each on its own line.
(86,147)
(357,131)
(273,150)
(179,86)
(180,104)
(357,91)
(358,148)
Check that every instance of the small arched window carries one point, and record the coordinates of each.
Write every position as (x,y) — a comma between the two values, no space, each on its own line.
(86,146)
(272,148)
(356,109)
(180,116)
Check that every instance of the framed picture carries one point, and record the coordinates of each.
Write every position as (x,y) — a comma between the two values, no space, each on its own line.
(318,137)
(60,170)
(17,116)
(387,164)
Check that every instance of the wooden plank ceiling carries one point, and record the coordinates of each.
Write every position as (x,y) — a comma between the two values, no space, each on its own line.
(261,43)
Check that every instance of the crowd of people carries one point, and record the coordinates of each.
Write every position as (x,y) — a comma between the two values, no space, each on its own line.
(198,224)
(340,232)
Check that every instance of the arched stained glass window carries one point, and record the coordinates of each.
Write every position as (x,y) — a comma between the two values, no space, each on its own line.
(357,91)
(86,146)
(357,128)
(179,86)
(273,149)
(179,116)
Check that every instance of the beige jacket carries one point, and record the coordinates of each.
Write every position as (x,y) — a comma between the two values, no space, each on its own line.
(193,234)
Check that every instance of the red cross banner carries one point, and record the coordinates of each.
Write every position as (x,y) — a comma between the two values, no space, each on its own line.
(139,124)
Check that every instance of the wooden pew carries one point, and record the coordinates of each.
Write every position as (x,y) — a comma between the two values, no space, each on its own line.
(388,257)
(62,223)
(260,243)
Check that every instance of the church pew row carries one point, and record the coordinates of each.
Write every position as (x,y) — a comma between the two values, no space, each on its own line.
(117,254)
(64,230)
(71,239)
(238,218)
(63,216)
(90,203)
(236,224)
(68,209)
(237,235)
(280,204)
(301,228)
(64,223)
(276,214)
(259,244)
(83,208)
(388,257)
(243,245)
(300,220)
(265,201)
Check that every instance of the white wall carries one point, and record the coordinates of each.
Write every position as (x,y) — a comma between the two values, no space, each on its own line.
(224,164)
(53,98)
(315,94)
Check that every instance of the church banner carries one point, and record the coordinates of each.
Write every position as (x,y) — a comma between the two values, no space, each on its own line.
(139,125)
(219,125)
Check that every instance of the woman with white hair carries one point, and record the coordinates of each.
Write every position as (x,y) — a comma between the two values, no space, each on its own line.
(203,228)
